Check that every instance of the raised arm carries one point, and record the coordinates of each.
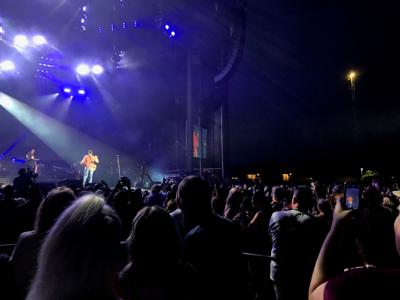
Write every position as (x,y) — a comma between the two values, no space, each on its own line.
(327,265)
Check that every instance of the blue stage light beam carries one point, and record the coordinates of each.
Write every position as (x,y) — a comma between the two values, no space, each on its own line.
(69,143)
(112,104)
(9,149)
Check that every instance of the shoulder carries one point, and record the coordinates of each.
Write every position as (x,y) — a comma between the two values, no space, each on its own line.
(280,215)
(365,283)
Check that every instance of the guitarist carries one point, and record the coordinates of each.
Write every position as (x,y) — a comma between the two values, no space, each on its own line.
(31,161)
(89,161)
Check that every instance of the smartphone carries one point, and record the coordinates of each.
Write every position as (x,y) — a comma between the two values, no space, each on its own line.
(352,196)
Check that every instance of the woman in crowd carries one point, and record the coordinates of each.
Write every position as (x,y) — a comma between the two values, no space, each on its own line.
(24,258)
(154,269)
(80,256)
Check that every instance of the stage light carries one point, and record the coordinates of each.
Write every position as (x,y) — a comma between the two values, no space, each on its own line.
(97,69)
(2,31)
(21,41)
(81,92)
(83,69)
(18,161)
(84,8)
(173,33)
(167,27)
(67,90)
(39,40)
(7,66)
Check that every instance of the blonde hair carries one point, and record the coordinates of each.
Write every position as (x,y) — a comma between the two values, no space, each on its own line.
(80,254)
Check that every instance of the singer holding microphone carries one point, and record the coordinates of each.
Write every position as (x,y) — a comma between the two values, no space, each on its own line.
(89,161)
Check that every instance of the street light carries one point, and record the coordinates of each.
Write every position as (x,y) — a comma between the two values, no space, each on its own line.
(352,77)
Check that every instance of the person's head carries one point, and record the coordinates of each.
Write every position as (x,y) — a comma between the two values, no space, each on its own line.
(374,236)
(194,199)
(372,197)
(234,199)
(302,198)
(324,207)
(32,151)
(376,183)
(278,194)
(153,230)
(90,152)
(56,201)
(314,186)
(8,192)
(155,189)
(22,172)
(259,200)
(80,255)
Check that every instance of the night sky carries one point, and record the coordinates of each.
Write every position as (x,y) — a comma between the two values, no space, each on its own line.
(290,101)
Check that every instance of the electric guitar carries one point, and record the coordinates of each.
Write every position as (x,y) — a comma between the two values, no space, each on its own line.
(94,163)
(94,166)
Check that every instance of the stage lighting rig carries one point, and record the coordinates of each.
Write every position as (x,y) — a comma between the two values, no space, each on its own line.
(83,69)
(7,66)
(97,70)
(39,40)
(21,41)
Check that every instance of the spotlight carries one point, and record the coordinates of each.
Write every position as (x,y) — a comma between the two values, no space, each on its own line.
(21,41)
(83,69)
(67,90)
(173,33)
(166,27)
(84,8)
(7,66)
(97,69)
(39,40)
(2,31)
(81,92)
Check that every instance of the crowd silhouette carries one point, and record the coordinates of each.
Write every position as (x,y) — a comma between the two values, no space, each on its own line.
(197,240)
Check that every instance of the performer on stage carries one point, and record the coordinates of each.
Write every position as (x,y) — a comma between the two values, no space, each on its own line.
(31,161)
(89,161)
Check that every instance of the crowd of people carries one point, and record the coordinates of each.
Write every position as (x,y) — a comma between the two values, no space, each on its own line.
(194,240)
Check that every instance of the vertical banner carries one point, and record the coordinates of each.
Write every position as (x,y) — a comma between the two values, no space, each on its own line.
(196,141)
(199,142)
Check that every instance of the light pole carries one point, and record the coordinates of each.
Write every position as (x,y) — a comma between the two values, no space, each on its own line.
(352,77)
